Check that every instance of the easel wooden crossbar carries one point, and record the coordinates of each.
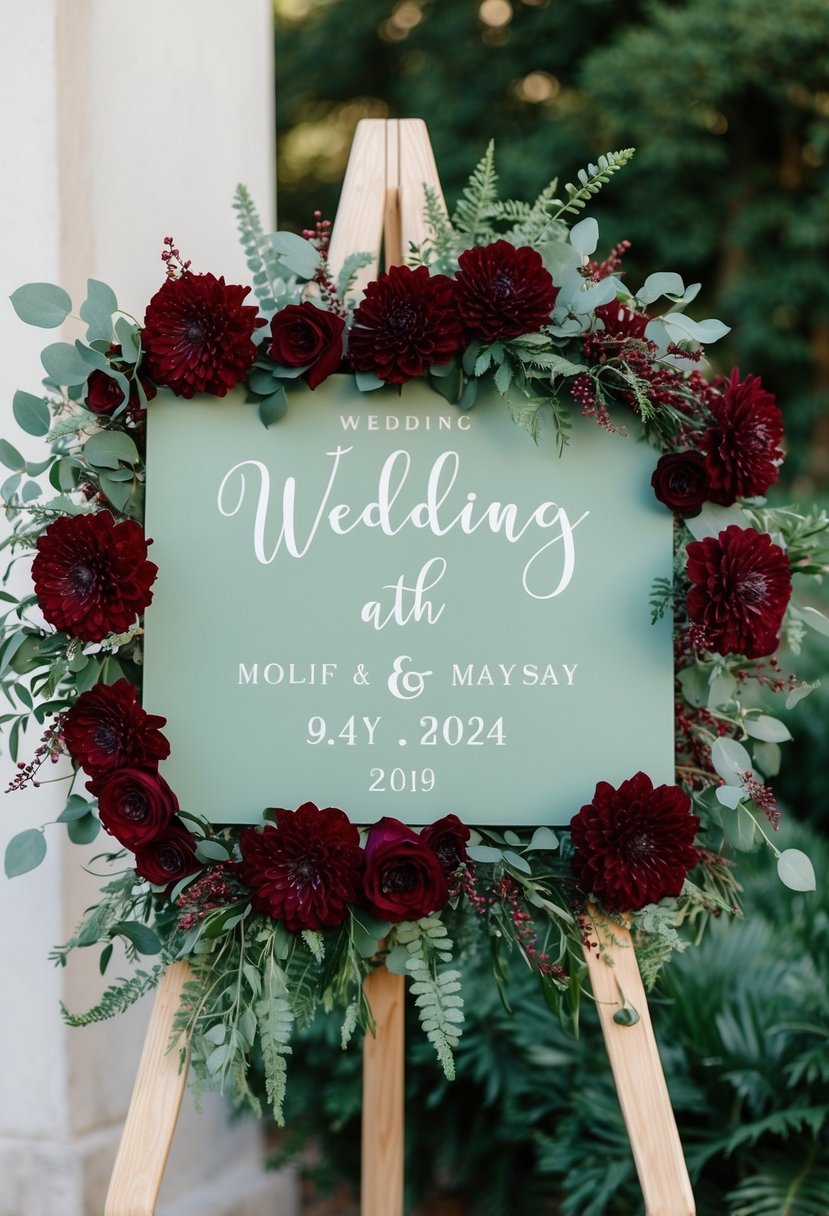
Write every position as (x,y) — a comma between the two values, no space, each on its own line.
(382,207)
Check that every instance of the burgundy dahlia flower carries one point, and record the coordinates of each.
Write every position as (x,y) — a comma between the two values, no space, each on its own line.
(135,805)
(304,335)
(107,729)
(742,447)
(168,857)
(741,587)
(634,846)
(404,877)
(92,576)
(198,335)
(503,292)
(305,871)
(406,321)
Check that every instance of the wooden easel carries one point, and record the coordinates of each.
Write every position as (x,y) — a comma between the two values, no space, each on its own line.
(382,204)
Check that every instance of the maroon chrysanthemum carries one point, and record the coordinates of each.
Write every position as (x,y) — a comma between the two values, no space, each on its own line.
(742,449)
(305,871)
(197,335)
(406,322)
(633,846)
(741,586)
(92,576)
(107,729)
(503,292)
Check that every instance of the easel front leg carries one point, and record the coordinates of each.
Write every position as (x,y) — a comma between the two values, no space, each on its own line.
(153,1113)
(383,1105)
(637,1071)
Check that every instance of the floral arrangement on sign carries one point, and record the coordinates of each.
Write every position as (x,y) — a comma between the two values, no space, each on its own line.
(279,918)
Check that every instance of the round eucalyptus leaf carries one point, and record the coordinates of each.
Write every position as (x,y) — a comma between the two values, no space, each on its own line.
(42,304)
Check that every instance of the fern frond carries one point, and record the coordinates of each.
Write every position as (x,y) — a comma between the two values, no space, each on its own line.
(348,272)
(275,1022)
(437,992)
(302,977)
(261,259)
(661,597)
(591,181)
(117,998)
(441,252)
(478,202)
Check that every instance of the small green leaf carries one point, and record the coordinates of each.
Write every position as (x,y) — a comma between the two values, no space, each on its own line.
(731,760)
(767,729)
(297,254)
(798,694)
(517,861)
(767,757)
(109,449)
(64,364)
(97,310)
(367,932)
(106,955)
(126,334)
(796,870)
(41,304)
(76,807)
(212,850)
(84,830)
(543,838)
(25,852)
(273,407)
(367,382)
(626,1016)
(503,378)
(731,795)
(145,940)
(694,684)
(31,413)
(10,457)
(484,853)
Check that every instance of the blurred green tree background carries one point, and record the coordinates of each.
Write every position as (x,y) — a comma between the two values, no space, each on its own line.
(727,102)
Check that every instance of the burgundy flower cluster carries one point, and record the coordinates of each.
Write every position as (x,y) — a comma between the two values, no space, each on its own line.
(410,320)
(308,868)
(119,745)
(738,455)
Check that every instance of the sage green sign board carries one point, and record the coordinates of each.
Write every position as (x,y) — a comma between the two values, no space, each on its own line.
(389,605)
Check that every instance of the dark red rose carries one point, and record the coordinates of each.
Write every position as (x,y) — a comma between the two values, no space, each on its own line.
(168,857)
(621,322)
(404,878)
(742,584)
(303,334)
(680,481)
(406,321)
(503,292)
(742,447)
(107,729)
(305,871)
(447,838)
(198,335)
(92,576)
(134,804)
(103,394)
(634,846)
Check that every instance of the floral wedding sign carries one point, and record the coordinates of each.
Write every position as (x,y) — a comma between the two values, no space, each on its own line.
(325,701)
(391,605)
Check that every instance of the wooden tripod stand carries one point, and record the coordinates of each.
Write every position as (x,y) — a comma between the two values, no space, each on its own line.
(382,204)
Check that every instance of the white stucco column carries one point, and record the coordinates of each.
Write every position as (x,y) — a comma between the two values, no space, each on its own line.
(120,123)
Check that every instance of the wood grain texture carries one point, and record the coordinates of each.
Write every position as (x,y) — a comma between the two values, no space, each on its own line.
(381,1192)
(153,1113)
(417,169)
(637,1071)
(358,226)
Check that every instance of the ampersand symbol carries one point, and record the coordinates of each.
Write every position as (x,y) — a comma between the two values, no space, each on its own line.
(406,685)
(361,675)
